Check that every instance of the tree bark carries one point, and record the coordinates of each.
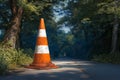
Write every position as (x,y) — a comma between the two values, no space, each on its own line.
(115,30)
(12,34)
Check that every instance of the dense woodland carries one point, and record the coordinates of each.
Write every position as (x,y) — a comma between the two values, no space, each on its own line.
(82,29)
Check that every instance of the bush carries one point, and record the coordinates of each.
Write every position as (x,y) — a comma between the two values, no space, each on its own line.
(12,58)
(3,65)
(108,58)
(29,51)
(23,58)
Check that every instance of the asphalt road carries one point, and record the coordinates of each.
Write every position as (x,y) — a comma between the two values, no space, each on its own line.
(69,69)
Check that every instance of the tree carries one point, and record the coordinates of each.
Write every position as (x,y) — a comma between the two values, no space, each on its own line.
(20,9)
(115,28)
(95,25)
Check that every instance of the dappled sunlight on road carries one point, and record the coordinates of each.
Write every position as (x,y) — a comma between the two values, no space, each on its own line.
(70,62)
(68,70)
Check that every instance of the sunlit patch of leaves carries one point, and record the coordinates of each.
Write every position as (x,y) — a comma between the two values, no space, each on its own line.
(33,6)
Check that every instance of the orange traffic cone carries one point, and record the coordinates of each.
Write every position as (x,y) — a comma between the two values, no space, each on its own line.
(41,56)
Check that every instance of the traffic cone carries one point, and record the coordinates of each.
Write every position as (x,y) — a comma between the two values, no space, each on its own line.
(41,55)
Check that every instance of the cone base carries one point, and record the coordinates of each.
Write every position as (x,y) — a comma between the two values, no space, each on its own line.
(42,66)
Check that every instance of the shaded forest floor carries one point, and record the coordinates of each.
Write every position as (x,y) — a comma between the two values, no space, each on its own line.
(69,69)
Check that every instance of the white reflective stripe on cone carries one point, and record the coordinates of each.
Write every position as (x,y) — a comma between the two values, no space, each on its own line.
(42,33)
(42,49)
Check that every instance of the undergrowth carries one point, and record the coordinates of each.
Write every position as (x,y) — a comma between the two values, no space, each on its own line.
(12,58)
(108,58)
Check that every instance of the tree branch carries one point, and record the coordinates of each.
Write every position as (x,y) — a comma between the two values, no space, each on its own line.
(13,7)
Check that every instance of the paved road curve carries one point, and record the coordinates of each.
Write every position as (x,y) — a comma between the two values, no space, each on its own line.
(69,70)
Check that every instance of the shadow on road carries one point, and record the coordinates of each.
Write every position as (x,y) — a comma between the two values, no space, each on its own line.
(69,69)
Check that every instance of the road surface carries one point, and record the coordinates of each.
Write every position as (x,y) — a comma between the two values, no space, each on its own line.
(69,69)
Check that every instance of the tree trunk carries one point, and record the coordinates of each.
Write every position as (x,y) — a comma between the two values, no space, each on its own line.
(12,34)
(115,30)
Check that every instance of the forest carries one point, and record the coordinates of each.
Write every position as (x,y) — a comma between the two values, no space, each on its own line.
(80,29)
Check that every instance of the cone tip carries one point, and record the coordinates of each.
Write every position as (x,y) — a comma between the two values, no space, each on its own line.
(42,24)
(42,18)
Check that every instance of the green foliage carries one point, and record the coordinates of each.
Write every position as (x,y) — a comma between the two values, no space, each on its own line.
(33,6)
(22,58)
(12,58)
(92,24)
(2,1)
(29,51)
(90,21)
(109,8)
(108,58)
(3,65)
